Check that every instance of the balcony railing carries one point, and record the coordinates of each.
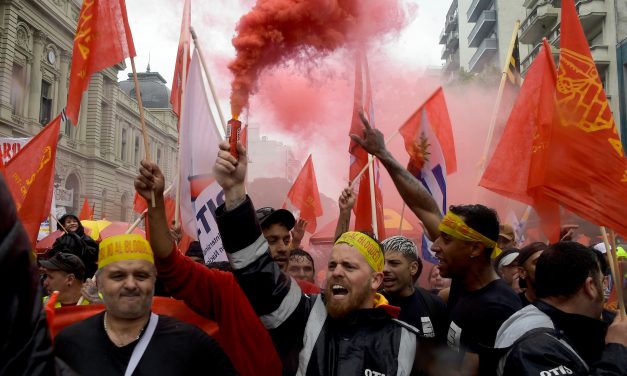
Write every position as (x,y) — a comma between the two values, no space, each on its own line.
(484,52)
(475,9)
(483,27)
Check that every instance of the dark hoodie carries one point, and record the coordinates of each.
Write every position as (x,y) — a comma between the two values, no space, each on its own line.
(25,347)
(79,244)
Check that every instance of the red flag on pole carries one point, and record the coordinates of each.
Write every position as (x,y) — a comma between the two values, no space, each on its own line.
(30,178)
(363,207)
(515,169)
(85,211)
(103,38)
(304,195)
(182,59)
(370,181)
(586,168)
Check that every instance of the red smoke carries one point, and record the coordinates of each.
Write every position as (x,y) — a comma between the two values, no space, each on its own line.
(276,31)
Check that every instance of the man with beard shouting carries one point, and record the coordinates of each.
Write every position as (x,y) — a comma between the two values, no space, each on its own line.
(346,331)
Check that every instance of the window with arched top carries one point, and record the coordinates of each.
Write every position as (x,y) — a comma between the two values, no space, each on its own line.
(124,207)
(73,184)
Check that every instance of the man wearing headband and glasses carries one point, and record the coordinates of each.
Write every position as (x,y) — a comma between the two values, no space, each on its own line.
(464,240)
(347,331)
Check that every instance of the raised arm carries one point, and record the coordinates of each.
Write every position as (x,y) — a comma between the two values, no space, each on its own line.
(150,179)
(411,190)
(346,203)
(273,295)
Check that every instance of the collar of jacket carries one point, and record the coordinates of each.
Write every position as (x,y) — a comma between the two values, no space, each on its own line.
(585,334)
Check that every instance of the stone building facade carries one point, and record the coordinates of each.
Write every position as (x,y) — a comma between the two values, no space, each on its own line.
(99,157)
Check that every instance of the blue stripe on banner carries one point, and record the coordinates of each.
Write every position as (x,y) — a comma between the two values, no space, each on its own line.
(427,254)
(439,177)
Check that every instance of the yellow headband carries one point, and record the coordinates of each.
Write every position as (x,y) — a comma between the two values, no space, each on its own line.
(124,247)
(454,226)
(367,246)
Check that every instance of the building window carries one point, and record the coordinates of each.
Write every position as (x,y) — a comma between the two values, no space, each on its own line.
(137,150)
(46,103)
(158,157)
(17,89)
(123,150)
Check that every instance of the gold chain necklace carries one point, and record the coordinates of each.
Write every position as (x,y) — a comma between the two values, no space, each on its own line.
(109,334)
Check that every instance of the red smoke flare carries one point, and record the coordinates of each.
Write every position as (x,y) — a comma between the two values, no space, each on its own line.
(275,31)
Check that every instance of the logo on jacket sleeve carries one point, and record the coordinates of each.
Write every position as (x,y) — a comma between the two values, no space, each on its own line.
(373,373)
(561,370)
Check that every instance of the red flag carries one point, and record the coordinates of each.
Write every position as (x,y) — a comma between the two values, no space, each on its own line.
(515,167)
(586,168)
(359,156)
(182,59)
(304,195)
(363,206)
(85,211)
(30,178)
(93,212)
(139,204)
(103,38)
(362,102)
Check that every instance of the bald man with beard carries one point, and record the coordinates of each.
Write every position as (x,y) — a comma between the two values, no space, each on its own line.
(349,329)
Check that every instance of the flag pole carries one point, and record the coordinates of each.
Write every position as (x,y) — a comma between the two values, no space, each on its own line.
(211,87)
(370,160)
(613,261)
(137,222)
(373,201)
(499,97)
(177,197)
(400,226)
(621,302)
(142,121)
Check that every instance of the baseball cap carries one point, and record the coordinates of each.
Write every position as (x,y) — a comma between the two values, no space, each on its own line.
(529,250)
(507,231)
(66,262)
(506,258)
(268,216)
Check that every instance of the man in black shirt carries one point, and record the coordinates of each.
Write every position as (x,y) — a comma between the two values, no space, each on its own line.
(561,332)
(419,308)
(479,302)
(128,337)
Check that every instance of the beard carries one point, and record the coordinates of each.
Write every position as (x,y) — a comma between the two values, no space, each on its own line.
(356,297)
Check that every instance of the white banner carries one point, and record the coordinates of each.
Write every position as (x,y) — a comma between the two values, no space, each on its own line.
(64,197)
(200,194)
(205,206)
(9,146)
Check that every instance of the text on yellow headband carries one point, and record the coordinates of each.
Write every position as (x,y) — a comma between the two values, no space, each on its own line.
(453,225)
(367,246)
(124,247)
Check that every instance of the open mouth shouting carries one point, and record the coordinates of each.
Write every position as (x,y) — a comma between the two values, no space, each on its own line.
(338,291)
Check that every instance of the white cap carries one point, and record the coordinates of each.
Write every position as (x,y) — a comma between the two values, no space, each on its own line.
(601,248)
(507,259)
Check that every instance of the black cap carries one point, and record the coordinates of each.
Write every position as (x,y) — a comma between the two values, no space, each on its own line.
(529,250)
(66,262)
(268,216)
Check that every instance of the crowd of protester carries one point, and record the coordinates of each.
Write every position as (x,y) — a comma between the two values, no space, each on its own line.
(489,308)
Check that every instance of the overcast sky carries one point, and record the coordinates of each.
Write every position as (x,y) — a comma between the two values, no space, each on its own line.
(156,26)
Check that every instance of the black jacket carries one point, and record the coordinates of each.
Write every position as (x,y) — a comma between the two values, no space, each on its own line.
(542,340)
(79,244)
(309,342)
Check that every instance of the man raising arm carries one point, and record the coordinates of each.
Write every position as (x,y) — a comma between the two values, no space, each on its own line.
(411,190)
